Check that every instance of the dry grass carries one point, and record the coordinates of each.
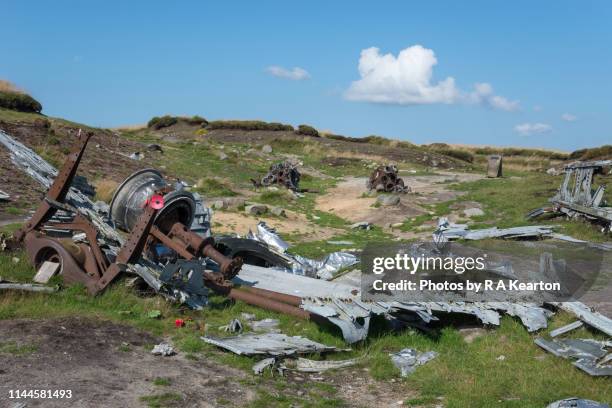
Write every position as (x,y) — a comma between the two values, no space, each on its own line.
(6,86)
(105,188)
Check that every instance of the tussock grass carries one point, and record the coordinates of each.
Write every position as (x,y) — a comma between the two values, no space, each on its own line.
(105,188)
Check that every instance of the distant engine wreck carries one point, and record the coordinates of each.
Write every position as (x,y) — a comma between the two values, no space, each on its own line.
(386,179)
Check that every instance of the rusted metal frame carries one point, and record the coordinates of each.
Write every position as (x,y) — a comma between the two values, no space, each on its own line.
(131,250)
(205,246)
(81,223)
(59,188)
(170,243)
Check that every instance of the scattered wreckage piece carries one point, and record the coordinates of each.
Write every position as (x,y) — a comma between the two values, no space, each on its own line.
(494,166)
(566,329)
(283,173)
(266,325)
(449,231)
(261,366)
(296,264)
(46,271)
(576,197)
(234,326)
(28,287)
(305,365)
(4,196)
(269,344)
(587,315)
(591,356)
(163,349)
(301,364)
(386,179)
(407,360)
(575,402)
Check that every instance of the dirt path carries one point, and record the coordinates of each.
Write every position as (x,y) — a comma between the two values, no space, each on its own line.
(350,201)
(105,365)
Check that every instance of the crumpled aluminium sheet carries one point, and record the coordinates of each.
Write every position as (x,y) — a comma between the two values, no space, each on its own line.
(269,344)
(592,356)
(340,303)
(448,231)
(577,403)
(324,269)
(590,317)
(407,360)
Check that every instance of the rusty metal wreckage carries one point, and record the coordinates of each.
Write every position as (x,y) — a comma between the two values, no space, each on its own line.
(386,178)
(89,262)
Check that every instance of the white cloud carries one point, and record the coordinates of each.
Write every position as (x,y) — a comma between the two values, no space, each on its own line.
(483,94)
(568,117)
(527,129)
(294,74)
(407,80)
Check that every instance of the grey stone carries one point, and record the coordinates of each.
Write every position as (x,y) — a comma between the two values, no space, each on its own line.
(222,156)
(473,212)
(233,202)
(388,200)
(266,149)
(256,209)
(218,205)
(278,211)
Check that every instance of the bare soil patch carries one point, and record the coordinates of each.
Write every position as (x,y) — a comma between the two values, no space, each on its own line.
(226,222)
(106,365)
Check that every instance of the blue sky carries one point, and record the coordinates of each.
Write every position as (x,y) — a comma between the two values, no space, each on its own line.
(114,63)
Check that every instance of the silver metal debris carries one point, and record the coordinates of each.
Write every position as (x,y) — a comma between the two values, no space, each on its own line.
(269,236)
(266,325)
(566,329)
(449,231)
(584,313)
(592,356)
(29,287)
(4,196)
(234,326)
(46,271)
(323,269)
(313,366)
(575,402)
(271,344)
(407,360)
(260,366)
(163,349)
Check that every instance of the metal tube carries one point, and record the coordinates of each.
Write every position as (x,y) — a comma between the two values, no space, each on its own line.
(280,297)
(269,304)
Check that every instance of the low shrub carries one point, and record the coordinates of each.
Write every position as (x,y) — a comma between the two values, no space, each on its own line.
(196,121)
(160,122)
(456,153)
(602,152)
(307,131)
(20,102)
(248,125)
(513,151)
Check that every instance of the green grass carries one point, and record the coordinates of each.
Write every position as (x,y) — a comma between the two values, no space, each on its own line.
(167,399)
(162,382)
(17,349)
(506,202)
(461,374)
(212,187)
